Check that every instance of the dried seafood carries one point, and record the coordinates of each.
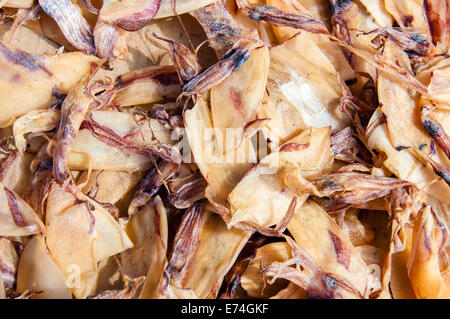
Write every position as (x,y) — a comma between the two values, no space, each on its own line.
(224,149)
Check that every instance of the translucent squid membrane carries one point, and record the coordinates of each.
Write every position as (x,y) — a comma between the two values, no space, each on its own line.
(2,289)
(260,198)
(407,13)
(221,170)
(404,164)
(80,233)
(234,105)
(358,232)
(252,280)
(116,141)
(378,10)
(148,230)
(108,186)
(438,82)
(38,272)
(332,51)
(165,9)
(34,122)
(292,291)
(318,8)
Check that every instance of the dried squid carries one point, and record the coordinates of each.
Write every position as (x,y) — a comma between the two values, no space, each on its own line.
(224,149)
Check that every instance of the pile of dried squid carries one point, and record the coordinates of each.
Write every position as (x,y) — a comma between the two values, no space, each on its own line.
(112,187)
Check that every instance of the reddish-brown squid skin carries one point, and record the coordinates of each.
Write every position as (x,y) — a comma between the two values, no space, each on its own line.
(343,253)
(15,211)
(139,20)
(106,31)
